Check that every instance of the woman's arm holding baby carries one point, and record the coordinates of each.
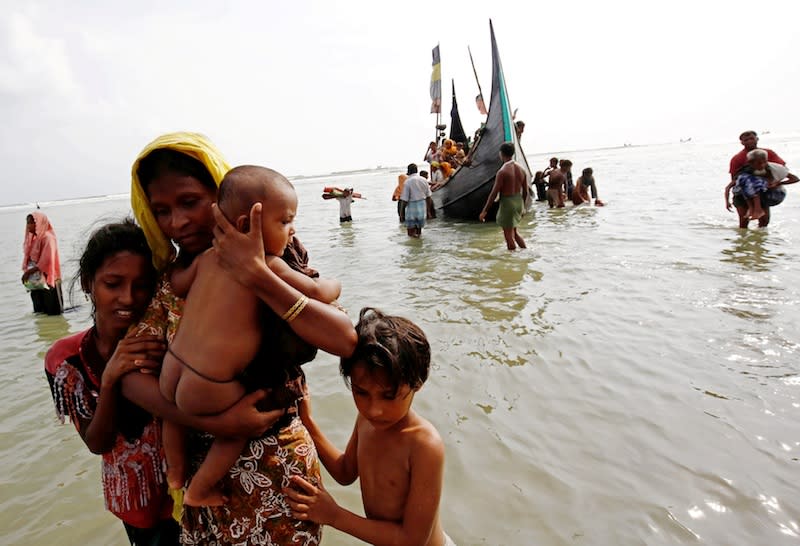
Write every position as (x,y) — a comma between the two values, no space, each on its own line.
(242,420)
(242,254)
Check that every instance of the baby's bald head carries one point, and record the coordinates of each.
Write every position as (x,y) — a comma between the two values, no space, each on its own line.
(246,185)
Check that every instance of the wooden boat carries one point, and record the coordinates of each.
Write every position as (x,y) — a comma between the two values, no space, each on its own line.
(465,193)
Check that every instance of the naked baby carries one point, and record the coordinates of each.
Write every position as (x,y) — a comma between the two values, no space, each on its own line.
(218,343)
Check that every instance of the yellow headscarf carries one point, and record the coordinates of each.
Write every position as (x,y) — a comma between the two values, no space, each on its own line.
(192,144)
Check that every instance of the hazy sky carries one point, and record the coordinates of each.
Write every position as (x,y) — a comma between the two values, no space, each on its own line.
(311,87)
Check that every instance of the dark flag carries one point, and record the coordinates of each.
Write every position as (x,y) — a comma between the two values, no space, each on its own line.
(456,129)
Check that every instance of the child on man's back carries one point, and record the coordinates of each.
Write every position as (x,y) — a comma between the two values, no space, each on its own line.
(397,455)
(209,364)
(756,178)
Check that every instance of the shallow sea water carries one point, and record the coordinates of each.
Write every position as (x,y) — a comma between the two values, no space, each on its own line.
(630,378)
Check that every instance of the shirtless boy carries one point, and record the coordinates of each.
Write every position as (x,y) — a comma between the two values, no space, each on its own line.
(397,456)
(220,331)
(556,189)
(511,183)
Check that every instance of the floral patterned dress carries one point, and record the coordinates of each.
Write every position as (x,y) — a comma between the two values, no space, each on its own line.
(257,512)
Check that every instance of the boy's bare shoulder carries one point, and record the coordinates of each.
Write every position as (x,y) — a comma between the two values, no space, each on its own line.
(425,436)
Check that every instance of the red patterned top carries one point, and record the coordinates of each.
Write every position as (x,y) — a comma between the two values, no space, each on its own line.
(133,472)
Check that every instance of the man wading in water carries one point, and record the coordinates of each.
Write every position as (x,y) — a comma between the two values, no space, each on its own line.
(511,183)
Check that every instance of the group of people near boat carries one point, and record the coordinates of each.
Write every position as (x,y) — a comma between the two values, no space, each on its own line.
(757,179)
(556,186)
(414,190)
(189,380)
(444,159)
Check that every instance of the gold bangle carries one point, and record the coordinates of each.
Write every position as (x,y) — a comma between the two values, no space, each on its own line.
(293,308)
(301,304)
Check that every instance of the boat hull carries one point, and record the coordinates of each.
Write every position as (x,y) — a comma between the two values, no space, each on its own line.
(465,194)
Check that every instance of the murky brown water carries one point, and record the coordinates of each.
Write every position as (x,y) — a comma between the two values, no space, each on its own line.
(632,378)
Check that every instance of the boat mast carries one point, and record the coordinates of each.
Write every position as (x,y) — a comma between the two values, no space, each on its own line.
(480,91)
(436,91)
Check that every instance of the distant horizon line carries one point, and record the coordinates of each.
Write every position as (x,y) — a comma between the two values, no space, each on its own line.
(5,206)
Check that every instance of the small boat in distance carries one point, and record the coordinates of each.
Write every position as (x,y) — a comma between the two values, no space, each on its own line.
(465,192)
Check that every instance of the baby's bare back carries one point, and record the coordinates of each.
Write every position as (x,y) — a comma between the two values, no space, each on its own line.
(218,336)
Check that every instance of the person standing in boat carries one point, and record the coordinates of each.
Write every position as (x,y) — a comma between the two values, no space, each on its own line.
(414,197)
(432,153)
(511,183)
(461,155)
(41,266)
(519,128)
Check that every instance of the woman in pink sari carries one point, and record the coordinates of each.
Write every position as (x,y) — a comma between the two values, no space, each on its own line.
(41,267)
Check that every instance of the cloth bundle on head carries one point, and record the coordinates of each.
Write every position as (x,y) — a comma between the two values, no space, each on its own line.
(192,144)
(41,249)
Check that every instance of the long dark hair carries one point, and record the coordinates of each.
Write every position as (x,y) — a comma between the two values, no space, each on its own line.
(106,241)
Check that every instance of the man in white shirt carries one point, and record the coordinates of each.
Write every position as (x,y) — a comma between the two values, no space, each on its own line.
(344,205)
(414,197)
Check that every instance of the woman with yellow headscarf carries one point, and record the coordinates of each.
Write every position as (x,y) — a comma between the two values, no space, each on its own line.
(173,189)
